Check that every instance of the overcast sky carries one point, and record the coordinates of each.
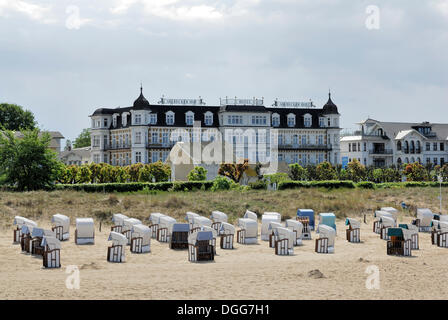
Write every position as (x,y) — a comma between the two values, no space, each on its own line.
(64,59)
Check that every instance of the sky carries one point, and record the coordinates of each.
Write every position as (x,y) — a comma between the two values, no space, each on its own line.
(387,60)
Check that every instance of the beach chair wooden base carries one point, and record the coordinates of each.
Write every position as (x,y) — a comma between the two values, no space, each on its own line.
(203,251)
(216,226)
(137,245)
(162,235)
(59,232)
(377,227)
(434,236)
(321,245)
(414,242)
(226,241)
(36,248)
(241,236)
(118,229)
(442,240)
(179,240)
(272,240)
(52,258)
(115,253)
(353,235)
(282,247)
(383,234)
(154,228)
(25,241)
(399,247)
(17,236)
(306,230)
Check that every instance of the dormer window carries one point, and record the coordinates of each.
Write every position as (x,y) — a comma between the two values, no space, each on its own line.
(322,122)
(189,118)
(114,121)
(208,118)
(105,123)
(170,118)
(275,120)
(291,120)
(307,120)
(153,118)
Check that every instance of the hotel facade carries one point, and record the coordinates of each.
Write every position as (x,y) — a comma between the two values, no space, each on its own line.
(298,132)
(383,144)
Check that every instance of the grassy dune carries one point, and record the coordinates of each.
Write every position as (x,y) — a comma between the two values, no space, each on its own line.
(343,202)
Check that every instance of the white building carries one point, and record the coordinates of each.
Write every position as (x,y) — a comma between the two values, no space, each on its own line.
(146,132)
(383,144)
(76,156)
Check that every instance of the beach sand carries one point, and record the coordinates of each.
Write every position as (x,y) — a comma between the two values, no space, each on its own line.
(247,272)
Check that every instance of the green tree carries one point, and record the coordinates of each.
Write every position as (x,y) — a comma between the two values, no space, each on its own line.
(325,171)
(13,117)
(27,162)
(356,171)
(84,174)
(83,139)
(297,172)
(415,172)
(197,174)
(233,171)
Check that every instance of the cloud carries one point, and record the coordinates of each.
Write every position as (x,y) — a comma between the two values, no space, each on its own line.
(33,11)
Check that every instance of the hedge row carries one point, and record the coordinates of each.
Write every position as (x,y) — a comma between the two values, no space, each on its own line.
(137,186)
(207,185)
(363,185)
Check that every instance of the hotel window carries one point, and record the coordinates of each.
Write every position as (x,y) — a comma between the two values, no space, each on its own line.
(280,139)
(259,120)
(365,146)
(165,138)
(165,155)
(291,120)
(138,157)
(349,147)
(105,122)
(275,120)
(96,158)
(307,120)
(105,159)
(434,147)
(138,119)
(321,158)
(155,137)
(321,122)
(138,137)
(170,118)
(320,140)
(96,141)
(189,118)
(442,146)
(235,119)
(208,118)
(280,157)
(153,118)
(428,146)
(104,142)
(154,156)
(435,161)
(98,124)
(115,121)
(304,140)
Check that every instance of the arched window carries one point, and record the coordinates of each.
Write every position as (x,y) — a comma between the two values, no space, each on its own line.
(208,118)
(412,160)
(399,146)
(399,161)
(419,160)
(406,147)
(407,160)
(291,120)
(412,146)
(307,120)
(275,119)
(418,149)
(169,118)
(189,118)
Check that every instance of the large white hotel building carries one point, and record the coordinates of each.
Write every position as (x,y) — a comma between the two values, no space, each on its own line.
(145,132)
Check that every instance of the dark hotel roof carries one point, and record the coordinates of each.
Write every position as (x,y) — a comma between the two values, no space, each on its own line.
(141,103)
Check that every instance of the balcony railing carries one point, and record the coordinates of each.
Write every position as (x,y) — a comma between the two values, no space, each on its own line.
(151,145)
(380,151)
(117,146)
(305,146)
(411,150)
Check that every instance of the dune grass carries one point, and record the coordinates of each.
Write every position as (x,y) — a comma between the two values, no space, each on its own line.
(42,205)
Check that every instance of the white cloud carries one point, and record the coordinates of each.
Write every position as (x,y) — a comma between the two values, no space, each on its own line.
(33,11)
(441,6)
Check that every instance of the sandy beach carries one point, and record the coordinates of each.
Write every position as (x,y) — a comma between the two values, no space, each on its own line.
(247,272)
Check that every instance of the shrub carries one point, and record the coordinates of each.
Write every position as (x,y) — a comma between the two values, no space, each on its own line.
(297,172)
(197,174)
(275,178)
(233,171)
(325,171)
(258,185)
(222,183)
